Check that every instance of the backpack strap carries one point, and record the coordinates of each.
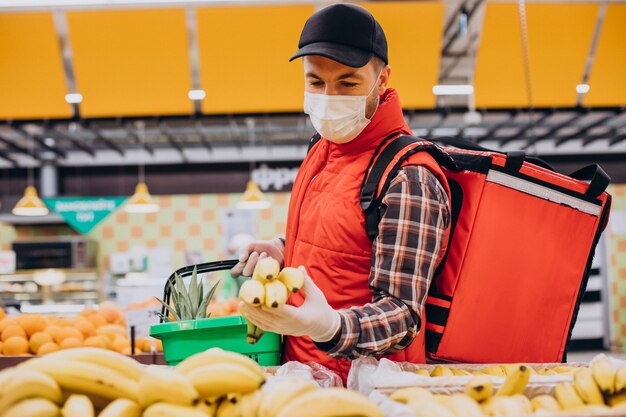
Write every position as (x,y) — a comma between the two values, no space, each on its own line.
(370,200)
(316,138)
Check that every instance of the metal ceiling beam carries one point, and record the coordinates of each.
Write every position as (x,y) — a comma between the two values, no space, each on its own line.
(617,139)
(581,132)
(172,140)
(91,127)
(135,136)
(75,141)
(491,132)
(5,155)
(39,139)
(14,146)
(199,128)
(552,131)
(529,125)
(455,36)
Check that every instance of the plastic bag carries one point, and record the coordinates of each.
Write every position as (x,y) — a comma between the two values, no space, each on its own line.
(322,376)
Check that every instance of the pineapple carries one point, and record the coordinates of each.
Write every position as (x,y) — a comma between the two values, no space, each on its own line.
(188,304)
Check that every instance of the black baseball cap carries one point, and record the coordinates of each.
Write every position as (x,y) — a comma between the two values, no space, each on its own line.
(345,33)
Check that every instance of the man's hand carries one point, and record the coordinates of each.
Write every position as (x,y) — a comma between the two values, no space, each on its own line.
(251,253)
(315,318)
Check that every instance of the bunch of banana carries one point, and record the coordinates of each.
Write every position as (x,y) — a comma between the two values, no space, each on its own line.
(269,287)
(282,393)
(515,382)
(100,374)
(216,373)
(21,385)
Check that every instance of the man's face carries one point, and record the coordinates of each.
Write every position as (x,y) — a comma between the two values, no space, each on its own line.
(325,76)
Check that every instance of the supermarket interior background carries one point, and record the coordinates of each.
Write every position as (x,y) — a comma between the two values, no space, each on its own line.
(197,98)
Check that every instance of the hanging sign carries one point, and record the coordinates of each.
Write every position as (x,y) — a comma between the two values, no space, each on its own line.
(83,214)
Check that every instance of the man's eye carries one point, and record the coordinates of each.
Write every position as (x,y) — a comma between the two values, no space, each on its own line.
(347,84)
(316,83)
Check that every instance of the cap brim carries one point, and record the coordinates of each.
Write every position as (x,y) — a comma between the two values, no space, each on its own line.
(346,55)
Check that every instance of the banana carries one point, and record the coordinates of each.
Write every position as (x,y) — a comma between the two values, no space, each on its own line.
(275,294)
(121,408)
(221,379)
(173,410)
(85,378)
(166,385)
(504,407)
(440,370)
(252,292)
(603,375)
(460,372)
(587,388)
(335,402)
(249,404)
(253,333)
(479,388)
(442,399)
(293,278)
(227,409)
(422,372)
(24,384)
(33,407)
(266,270)
(545,402)
(218,356)
(429,408)
(406,395)
(524,403)
(207,407)
(590,409)
(464,406)
(495,370)
(78,406)
(5,375)
(566,395)
(515,382)
(106,358)
(509,368)
(563,369)
(620,379)
(547,371)
(282,393)
(616,399)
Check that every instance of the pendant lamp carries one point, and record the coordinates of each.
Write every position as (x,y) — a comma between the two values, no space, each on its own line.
(141,201)
(30,204)
(252,198)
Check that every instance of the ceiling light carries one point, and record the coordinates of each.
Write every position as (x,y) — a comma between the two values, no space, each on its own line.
(196,94)
(582,88)
(30,204)
(49,142)
(141,201)
(453,90)
(253,198)
(74,98)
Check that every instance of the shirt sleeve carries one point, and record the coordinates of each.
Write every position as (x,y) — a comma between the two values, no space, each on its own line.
(411,232)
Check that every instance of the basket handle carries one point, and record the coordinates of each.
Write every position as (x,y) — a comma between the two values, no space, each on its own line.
(188,270)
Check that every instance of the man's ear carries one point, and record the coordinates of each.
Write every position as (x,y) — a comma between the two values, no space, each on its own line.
(383,80)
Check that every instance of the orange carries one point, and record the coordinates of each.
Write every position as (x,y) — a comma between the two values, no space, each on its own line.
(126,351)
(97,320)
(13,330)
(54,331)
(87,312)
(48,348)
(7,321)
(111,330)
(1,348)
(15,346)
(85,327)
(68,332)
(71,342)
(120,344)
(96,341)
(1,313)
(39,339)
(159,345)
(32,324)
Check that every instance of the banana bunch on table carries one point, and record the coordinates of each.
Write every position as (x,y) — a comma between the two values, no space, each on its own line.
(270,287)
(596,390)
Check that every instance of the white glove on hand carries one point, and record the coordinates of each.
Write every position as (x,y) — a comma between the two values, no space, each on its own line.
(250,254)
(314,318)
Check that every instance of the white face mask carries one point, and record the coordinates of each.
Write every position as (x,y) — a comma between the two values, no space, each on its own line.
(337,118)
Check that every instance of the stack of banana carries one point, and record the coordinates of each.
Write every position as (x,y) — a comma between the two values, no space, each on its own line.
(269,287)
(89,382)
(493,370)
(596,390)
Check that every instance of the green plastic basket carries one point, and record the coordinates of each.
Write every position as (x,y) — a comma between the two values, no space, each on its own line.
(185,338)
(182,339)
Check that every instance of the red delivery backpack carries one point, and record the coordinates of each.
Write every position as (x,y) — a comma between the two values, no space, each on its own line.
(521,242)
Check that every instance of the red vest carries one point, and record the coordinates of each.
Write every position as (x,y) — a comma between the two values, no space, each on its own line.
(326,227)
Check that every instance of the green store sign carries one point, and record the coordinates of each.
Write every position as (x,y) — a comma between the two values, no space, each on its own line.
(83,214)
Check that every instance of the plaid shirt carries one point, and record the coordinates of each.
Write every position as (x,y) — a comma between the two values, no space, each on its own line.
(411,231)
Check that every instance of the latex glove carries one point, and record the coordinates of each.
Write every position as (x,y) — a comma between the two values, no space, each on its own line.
(314,318)
(251,253)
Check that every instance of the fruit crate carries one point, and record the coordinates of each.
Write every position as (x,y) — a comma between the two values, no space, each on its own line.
(182,339)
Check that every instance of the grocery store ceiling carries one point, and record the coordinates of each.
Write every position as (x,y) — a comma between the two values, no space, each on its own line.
(134,79)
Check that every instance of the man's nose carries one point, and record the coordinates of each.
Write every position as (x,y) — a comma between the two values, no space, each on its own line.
(330,90)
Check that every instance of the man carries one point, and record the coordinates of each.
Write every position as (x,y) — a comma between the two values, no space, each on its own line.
(361,297)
